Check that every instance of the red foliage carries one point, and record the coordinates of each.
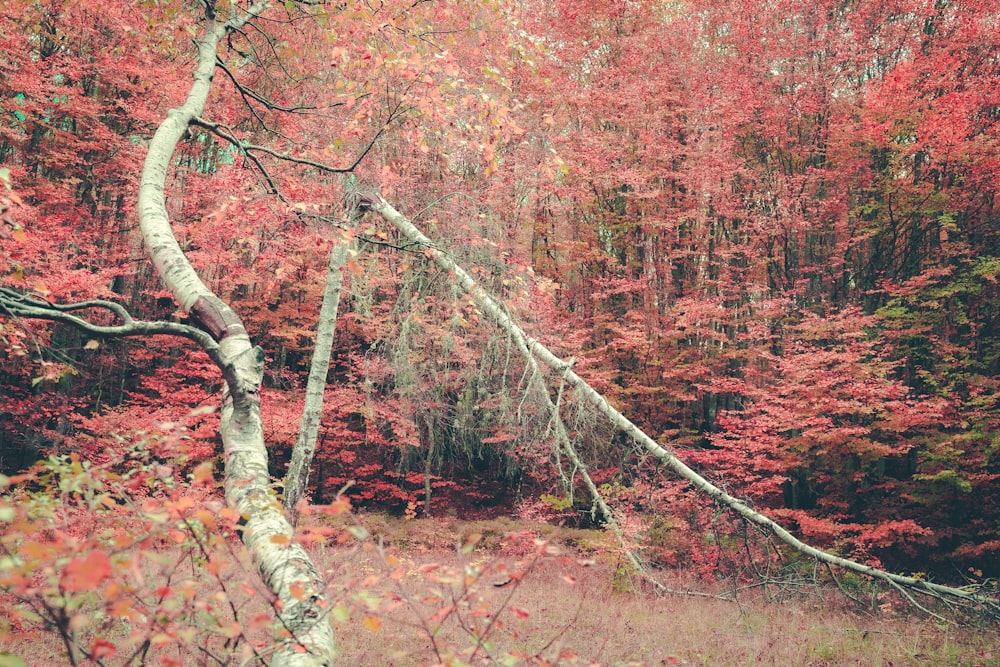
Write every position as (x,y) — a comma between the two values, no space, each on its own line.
(767,233)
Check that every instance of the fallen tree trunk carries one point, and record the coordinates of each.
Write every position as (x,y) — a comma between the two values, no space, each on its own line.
(968,599)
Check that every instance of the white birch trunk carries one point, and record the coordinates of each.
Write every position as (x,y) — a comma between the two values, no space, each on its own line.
(495,310)
(304,634)
(297,478)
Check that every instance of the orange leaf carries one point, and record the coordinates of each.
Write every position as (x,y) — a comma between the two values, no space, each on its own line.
(337,507)
(373,623)
(232,630)
(112,590)
(34,550)
(86,573)
(207,518)
(229,514)
(204,473)
(122,607)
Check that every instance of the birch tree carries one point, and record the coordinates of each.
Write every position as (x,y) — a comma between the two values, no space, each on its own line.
(297,478)
(304,636)
(534,351)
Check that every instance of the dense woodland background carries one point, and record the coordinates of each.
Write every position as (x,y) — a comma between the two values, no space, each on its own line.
(768,232)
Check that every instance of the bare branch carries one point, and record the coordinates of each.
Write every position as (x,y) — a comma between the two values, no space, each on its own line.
(250,94)
(18,304)
(220,130)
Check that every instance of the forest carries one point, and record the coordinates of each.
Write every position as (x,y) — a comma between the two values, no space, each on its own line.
(765,235)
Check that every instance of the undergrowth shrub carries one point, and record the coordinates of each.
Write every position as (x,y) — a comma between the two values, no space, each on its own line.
(125,568)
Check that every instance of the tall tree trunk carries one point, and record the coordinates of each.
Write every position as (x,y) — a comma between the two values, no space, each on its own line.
(297,479)
(305,634)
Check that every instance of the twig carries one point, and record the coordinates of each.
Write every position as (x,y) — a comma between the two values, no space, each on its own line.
(246,92)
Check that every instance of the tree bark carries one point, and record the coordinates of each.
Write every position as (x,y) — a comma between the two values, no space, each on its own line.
(297,478)
(305,636)
(498,313)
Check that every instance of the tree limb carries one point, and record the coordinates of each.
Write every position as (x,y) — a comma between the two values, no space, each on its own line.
(219,130)
(250,94)
(968,599)
(18,304)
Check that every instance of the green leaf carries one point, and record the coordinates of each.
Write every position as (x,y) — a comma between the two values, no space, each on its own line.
(987,267)
(470,543)
(10,660)
(341,613)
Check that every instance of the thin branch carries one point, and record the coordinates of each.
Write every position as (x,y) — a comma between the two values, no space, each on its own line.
(409,246)
(220,130)
(19,304)
(916,604)
(248,93)
(274,52)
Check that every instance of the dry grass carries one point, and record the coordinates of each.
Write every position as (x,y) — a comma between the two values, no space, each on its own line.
(415,601)
(570,613)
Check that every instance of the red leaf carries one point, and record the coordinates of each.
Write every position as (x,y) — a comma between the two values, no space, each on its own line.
(102,648)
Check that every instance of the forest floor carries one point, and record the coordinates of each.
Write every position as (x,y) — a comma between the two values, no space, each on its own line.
(501,592)
(568,603)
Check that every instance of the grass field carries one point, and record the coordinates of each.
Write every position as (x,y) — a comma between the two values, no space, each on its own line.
(521,594)
(573,607)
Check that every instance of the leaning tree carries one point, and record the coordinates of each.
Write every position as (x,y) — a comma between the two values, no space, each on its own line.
(250,53)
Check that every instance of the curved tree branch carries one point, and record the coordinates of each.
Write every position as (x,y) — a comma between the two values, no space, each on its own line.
(306,636)
(248,149)
(18,304)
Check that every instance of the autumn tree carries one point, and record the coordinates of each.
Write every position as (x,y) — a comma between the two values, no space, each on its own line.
(244,51)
